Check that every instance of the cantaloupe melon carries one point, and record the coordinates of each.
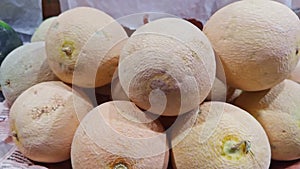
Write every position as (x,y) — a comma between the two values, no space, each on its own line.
(83,46)
(44,118)
(295,75)
(118,135)
(278,111)
(117,91)
(223,136)
(218,91)
(41,31)
(167,66)
(258,42)
(22,68)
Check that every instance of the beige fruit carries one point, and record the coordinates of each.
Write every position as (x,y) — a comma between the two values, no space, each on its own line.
(258,42)
(117,92)
(41,32)
(23,68)
(118,135)
(167,66)
(218,92)
(44,118)
(278,111)
(295,75)
(224,136)
(83,46)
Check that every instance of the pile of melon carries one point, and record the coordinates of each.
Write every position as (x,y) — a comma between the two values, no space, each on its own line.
(168,96)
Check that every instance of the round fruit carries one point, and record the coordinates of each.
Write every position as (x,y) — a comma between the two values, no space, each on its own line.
(218,92)
(295,75)
(167,66)
(22,68)
(258,43)
(223,136)
(9,40)
(83,46)
(41,32)
(44,118)
(117,92)
(118,135)
(278,111)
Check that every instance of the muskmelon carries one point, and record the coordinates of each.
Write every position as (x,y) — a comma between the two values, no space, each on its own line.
(167,66)
(258,42)
(83,46)
(24,67)
(118,135)
(295,75)
(223,137)
(42,30)
(278,111)
(43,120)
(218,91)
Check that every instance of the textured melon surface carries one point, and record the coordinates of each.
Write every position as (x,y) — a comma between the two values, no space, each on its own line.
(24,67)
(278,110)
(83,46)
(257,41)
(167,66)
(223,136)
(44,118)
(42,31)
(118,135)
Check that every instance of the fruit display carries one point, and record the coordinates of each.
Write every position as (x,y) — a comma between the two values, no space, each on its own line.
(87,93)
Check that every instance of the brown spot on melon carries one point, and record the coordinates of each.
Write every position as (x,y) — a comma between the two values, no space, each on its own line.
(43,120)
(167,66)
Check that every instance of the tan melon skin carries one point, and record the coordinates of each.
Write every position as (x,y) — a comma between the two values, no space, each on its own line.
(170,55)
(195,151)
(278,111)
(23,68)
(219,91)
(295,75)
(83,46)
(44,118)
(41,31)
(257,41)
(92,148)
